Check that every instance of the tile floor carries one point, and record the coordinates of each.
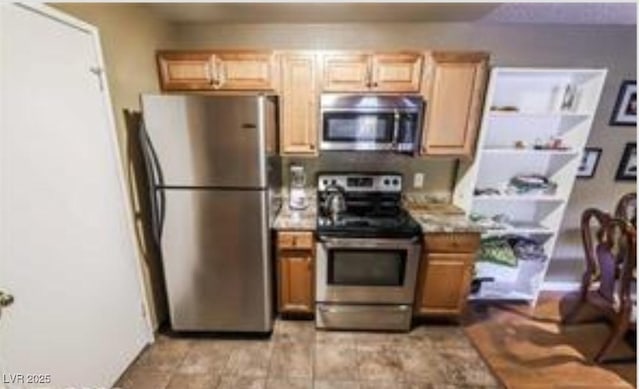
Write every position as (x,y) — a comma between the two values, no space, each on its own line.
(298,356)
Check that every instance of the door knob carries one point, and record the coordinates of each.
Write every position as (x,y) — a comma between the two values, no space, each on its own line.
(5,299)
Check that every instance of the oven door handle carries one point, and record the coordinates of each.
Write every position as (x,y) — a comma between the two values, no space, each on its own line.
(331,242)
(347,309)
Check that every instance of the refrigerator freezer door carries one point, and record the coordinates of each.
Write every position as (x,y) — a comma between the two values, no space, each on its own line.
(211,141)
(216,258)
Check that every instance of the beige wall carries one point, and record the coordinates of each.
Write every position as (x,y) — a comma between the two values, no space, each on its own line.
(514,45)
(129,36)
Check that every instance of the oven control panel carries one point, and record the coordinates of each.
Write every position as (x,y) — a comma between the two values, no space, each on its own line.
(391,183)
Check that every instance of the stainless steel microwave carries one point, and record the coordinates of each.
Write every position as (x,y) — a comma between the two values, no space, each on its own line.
(371,122)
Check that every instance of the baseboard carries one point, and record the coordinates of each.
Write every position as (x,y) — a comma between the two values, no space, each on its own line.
(561,286)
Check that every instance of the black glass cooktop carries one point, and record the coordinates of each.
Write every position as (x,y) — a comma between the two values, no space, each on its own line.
(397,225)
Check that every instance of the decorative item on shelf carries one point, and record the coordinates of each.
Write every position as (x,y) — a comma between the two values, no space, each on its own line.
(504,108)
(526,249)
(589,162)
(476,283)
(554,143)
(569,98)
(625,111)
(486,192)
(496,222)
(628,167)
(485,221)
(501,218)
(537,144)
(531,184)
(519,144)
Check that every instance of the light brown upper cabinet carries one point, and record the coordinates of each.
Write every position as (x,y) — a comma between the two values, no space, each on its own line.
(367,72)
(453,86)
(344,72)
(186,70)
(217,70)
(396,72)
(299,103)
(246,70)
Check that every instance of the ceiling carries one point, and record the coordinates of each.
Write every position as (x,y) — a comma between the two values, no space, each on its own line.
(555,13)
(328,12)
(320,12)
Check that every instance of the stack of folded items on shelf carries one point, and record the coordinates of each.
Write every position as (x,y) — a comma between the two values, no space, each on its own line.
(508,250)
(531,184)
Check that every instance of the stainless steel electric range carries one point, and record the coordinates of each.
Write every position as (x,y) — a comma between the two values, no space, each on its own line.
(368,253)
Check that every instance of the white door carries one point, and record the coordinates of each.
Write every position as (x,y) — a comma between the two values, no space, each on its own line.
(66,249)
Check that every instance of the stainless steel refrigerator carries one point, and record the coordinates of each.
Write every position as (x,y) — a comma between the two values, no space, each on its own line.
(214,170)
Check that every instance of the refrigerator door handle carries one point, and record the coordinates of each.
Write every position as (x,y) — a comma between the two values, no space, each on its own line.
(163,213)
(156,182)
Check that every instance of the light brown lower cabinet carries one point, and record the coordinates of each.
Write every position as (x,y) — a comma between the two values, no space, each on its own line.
(296,272)
(445,275)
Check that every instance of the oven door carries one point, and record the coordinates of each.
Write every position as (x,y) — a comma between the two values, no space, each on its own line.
(373,271)
(355,130)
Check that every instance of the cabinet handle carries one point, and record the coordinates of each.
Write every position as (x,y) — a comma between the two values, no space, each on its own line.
(369,72)
(212,72)
(312,147)
(375,84)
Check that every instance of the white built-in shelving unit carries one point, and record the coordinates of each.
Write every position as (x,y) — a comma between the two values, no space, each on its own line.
(535,98)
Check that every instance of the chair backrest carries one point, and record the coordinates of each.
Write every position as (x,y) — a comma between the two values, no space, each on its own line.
(602,261)
(626,208)
(592,228)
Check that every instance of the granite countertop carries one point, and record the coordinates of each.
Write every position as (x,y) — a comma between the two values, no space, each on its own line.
(438,216)
(291,219)
(438,222)
(433,217)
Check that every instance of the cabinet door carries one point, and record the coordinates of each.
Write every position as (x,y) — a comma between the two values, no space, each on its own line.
(295,282)
(298,132)
(396,72)
(245,70)
(454,87)
(186,71)
(443,284)
(344,72)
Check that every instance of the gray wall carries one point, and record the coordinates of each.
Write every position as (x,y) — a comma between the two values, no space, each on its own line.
(611,47)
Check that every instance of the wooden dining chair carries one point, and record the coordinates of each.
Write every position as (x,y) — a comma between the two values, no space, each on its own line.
(626,208)
(609,277)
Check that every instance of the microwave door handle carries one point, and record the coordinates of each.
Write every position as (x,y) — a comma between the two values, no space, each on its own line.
(396,129)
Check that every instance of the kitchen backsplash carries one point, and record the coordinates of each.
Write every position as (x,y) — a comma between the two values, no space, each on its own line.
(438,172)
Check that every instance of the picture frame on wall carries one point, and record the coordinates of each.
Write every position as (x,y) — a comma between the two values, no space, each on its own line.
(628,167)
(589,162)
(625,111)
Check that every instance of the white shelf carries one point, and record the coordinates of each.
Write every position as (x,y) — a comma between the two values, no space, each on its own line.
(531,198)
(543,152)
(537,94)
(501,295)
(516,114)
(519,231)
